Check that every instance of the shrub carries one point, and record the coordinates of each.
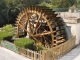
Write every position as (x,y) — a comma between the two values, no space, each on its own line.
(45,4)
(39,46)
(5,36)
(8,28)
(24,43)
(6,33)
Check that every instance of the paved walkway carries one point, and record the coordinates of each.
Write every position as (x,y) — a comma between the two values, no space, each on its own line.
(6,54)
(74,54)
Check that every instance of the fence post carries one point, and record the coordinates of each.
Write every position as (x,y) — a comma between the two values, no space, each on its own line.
(43,55)
(40,55)
(34,56)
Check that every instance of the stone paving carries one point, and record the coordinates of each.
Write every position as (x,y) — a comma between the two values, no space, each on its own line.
(74,54)
(6,54)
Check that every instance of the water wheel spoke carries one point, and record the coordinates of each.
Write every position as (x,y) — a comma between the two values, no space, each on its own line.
(44,33)
(24,29)
(26,16)
(30,27)
(37,24)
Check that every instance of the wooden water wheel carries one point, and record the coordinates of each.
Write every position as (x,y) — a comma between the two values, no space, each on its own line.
(42,25)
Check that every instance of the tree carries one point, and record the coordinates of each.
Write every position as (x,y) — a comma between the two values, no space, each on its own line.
(2,11)
(44,4)
(78,3)
(62,3)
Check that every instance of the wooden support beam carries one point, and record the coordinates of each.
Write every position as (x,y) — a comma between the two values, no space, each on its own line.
(51,16)
(29,33)
(44,33)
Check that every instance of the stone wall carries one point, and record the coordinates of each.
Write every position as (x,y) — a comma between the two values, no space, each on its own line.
(72,21)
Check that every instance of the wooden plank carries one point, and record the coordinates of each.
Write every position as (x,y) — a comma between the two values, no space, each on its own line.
(44,33)
(37,23)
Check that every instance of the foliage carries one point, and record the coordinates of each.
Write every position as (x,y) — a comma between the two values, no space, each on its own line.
(2,12)
(3,35)
(8,28)
(29,43)
(6,33)
(24,43)
(10,8)
(15,6)
(78,4)
(44,4)
(59,3)
(39,46)
(62,3)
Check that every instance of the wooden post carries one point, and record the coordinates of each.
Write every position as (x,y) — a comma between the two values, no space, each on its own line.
(17,31)
(34,56)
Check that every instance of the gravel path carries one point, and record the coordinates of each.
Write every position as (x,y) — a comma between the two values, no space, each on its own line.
(6,54)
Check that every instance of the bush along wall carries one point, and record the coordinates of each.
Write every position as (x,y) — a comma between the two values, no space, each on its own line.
(29,44)
(25,43)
